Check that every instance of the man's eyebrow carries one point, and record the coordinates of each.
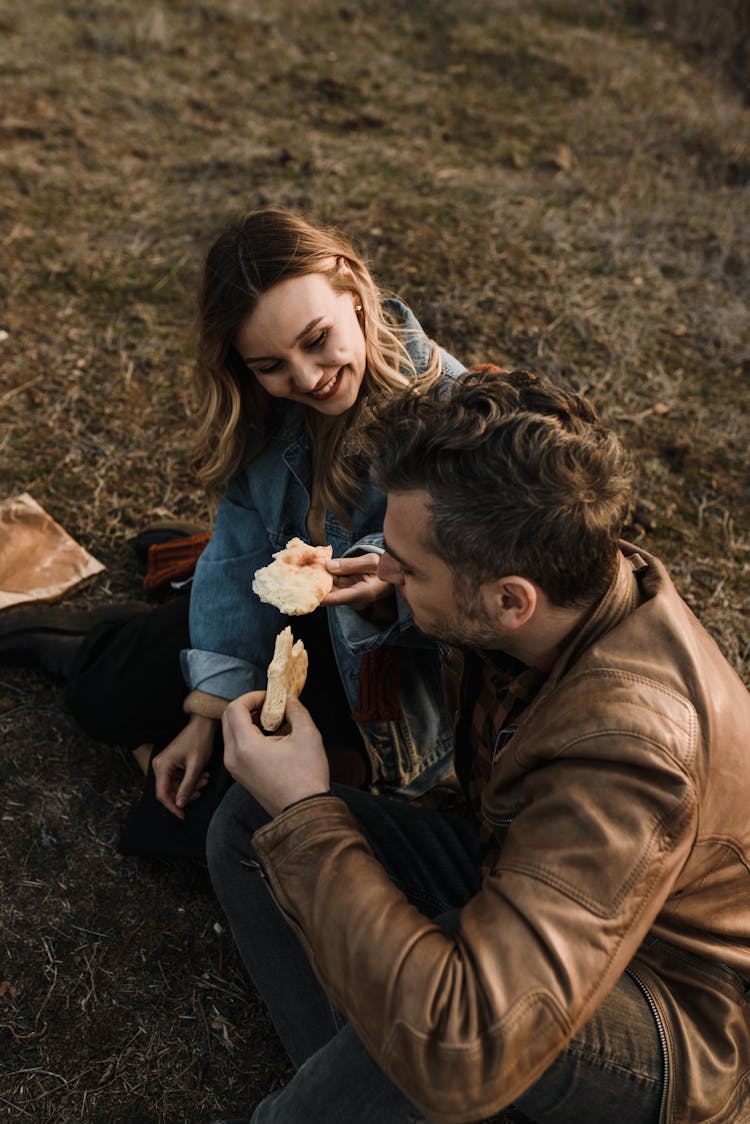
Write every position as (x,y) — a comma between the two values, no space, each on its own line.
(389,550)
(307,328)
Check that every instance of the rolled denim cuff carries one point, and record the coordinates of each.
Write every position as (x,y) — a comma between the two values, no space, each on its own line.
(216,674)
(361,634)
(368,544)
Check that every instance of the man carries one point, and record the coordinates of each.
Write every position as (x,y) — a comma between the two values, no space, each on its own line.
(577,943)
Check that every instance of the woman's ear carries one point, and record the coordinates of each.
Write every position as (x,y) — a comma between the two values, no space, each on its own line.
(347,277)
(347,273)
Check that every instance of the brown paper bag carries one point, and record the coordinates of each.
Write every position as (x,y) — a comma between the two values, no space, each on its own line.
(39,561)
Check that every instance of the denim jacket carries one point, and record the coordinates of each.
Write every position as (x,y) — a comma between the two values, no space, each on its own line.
(232,633)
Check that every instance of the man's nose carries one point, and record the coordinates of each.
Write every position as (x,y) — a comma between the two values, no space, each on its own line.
(389,570)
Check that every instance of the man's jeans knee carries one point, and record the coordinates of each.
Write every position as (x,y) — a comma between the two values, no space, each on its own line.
(301,1011)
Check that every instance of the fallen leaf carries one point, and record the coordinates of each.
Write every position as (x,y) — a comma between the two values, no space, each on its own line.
(563,158)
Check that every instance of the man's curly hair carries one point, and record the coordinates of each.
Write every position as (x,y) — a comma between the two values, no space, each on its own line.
(523,478)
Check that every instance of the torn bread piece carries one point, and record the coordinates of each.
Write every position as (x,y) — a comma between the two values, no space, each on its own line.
(287,672)
(297,580)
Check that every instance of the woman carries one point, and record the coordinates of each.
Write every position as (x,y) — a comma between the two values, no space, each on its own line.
(296,349)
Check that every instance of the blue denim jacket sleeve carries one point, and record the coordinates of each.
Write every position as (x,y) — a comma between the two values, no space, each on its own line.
(360,633)
(232,631)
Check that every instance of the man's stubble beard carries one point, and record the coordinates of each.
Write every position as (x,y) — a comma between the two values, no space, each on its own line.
(468,627)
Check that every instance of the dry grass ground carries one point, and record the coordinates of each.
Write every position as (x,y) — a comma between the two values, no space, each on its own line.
(718,35)
(546,183)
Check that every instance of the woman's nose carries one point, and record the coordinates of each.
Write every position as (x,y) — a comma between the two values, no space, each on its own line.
(306,373)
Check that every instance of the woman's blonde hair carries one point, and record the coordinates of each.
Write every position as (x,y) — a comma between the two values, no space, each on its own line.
(234,413)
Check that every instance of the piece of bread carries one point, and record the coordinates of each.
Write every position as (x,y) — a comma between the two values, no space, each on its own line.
(297,580)
(287,672)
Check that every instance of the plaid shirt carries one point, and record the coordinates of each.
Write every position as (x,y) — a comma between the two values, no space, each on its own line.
(506,687)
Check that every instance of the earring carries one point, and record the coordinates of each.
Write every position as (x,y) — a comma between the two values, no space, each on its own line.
(358,308)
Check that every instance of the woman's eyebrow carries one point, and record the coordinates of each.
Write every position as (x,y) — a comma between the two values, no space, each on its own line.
(307,328)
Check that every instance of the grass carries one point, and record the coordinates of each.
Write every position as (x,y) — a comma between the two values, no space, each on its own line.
(549,185)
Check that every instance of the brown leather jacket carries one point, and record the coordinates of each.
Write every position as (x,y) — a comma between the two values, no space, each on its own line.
(622,803)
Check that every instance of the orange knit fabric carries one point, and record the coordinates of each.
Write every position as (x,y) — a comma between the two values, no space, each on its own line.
(172,561)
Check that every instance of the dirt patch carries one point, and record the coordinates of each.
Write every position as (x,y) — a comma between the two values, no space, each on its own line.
(548,185)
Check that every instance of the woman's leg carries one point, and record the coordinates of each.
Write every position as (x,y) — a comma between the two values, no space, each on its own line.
(125,686)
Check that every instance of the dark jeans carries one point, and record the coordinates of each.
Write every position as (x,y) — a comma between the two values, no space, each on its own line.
(612,1070)
(126,688)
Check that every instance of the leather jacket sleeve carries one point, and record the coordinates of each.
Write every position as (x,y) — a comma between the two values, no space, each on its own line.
(463,1025)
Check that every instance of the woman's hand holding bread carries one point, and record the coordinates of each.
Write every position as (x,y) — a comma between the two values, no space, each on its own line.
(355,582)
(302,576)
(297,580)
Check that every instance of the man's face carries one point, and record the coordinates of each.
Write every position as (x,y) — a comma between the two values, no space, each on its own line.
(441,607)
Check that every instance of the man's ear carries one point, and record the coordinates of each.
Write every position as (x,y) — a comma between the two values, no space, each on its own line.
(513,601)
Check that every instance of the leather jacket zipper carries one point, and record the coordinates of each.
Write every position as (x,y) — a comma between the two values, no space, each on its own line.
(500,821)
(501,740)
(732,973)
(662,1041)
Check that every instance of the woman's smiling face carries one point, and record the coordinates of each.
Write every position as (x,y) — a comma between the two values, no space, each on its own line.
(303,341)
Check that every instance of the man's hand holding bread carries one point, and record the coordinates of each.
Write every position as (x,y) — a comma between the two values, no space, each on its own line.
(276,769)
